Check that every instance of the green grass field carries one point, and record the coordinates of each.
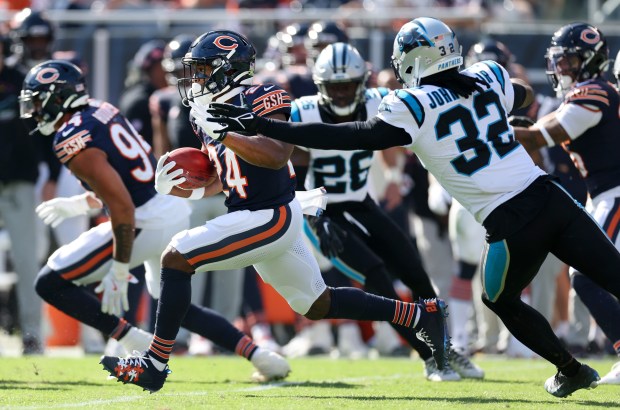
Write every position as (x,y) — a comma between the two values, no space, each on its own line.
(315,383)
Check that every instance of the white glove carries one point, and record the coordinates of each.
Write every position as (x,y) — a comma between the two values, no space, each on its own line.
(164,181)
(56,210)
(200,114)
(114,287)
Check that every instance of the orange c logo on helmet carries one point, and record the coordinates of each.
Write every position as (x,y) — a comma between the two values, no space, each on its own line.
(47,75)
(590,36)
(219,43)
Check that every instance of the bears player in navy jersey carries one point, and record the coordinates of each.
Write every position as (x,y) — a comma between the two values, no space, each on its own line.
(116,166)
(467,143)
(263,227)
(375,249)
(586,126)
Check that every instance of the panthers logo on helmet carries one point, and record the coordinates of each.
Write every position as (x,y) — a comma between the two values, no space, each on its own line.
(219,44)
(47,75)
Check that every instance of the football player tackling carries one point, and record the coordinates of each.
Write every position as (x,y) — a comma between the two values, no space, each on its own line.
(456,123)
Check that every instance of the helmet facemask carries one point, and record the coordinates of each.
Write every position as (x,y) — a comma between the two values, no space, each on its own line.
(216,67)
(47,101)
(578,52)
(340,73)
(563,69)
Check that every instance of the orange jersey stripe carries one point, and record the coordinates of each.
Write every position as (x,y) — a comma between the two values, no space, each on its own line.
(92,262)
(611,229)
(245,242)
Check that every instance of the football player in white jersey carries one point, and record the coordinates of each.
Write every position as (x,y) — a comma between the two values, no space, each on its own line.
(374,245)
(456,123)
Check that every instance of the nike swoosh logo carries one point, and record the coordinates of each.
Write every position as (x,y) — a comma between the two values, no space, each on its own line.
(67,131)
(269,88)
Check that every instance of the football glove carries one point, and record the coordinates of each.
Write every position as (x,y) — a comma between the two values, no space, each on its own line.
(233,118)
(165,181)
(200,115)
(520,121)
(330,235)
(114,300)
(56,210)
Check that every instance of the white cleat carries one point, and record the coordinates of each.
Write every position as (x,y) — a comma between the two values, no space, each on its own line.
(432,373)
(613,377)
(269,366)
(464,367)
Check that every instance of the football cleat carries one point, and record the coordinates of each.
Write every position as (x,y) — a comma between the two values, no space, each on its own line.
(137,369)
(463,366)
(561,385)
(434,331)
(613,377)
(269,366)
(432,373)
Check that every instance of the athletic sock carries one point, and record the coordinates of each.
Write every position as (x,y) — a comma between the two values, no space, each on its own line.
(211,325)
(246,347)
(353,303)
(121,329)
(173,304)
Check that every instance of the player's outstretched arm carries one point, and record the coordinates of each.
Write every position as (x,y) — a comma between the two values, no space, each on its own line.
(373,134)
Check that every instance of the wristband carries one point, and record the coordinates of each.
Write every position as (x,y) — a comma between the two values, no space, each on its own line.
(547,137)
(121,268)
(197,193)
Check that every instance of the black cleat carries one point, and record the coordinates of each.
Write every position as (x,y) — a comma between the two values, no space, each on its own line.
(136,370)
(561,385)
(434,331)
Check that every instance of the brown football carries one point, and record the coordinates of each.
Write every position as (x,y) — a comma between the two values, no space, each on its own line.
(198,169)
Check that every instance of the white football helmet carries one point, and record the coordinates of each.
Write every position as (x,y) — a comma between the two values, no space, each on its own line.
(423,47)
(337,65)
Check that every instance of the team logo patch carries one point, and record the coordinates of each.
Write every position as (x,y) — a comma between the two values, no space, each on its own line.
(47,75)
(590,36)
(226,42)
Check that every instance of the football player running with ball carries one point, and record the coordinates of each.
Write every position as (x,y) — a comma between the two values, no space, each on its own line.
(116,166)
(263,227)
(456,122)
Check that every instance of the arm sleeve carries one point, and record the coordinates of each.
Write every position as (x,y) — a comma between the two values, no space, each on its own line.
(373,134)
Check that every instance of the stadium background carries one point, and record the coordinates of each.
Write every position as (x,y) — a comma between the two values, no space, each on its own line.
(107,40)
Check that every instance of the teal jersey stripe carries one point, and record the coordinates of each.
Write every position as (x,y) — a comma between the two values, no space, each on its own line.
(295,113)
(497,72)
(413,105)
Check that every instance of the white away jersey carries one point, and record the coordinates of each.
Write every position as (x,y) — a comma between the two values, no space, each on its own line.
(466,143)
(343,174)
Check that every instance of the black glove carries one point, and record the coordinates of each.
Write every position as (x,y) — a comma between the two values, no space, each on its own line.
(236,119)
(330,235)
(520,121)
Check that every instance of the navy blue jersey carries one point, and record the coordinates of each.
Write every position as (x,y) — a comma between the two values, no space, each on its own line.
(249,186)
(100,125)
(594,152)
